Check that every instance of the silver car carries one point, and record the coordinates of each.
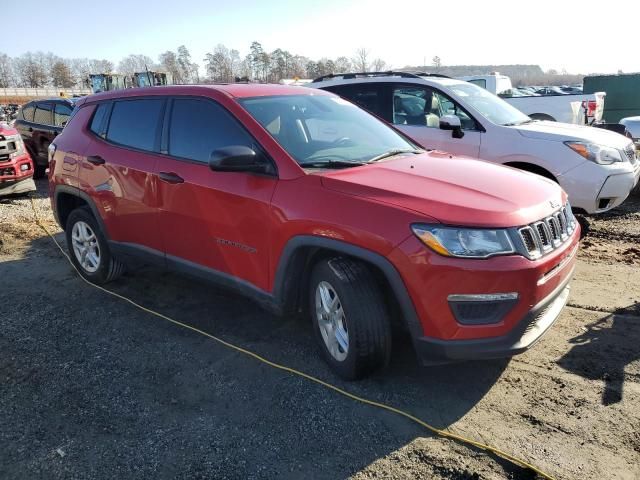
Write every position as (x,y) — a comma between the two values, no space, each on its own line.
(633,127)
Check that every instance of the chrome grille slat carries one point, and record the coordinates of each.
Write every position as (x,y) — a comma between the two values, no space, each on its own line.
(546,235)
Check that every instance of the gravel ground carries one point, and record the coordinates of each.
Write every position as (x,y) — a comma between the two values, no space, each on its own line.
(91,387)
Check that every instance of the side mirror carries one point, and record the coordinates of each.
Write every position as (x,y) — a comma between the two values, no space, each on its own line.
(452,122)
(238,158)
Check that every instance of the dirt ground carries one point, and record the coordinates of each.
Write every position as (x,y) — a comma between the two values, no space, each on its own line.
(91,387)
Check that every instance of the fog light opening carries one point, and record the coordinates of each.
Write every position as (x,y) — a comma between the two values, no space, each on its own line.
(604,203)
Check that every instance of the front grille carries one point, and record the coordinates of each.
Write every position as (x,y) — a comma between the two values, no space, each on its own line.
(6,149)
(546,235)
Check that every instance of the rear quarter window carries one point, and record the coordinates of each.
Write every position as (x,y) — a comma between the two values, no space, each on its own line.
(27,112)
(136,123)
(98,123)
(61,114)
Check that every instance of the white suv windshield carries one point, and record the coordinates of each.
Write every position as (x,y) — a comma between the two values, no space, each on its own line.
(491,107)
(321,129)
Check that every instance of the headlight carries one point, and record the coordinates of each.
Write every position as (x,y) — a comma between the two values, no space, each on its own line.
(464,242)
(596,153)
(17,140)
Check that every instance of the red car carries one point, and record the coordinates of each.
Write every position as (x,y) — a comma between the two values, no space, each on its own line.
(16,167)
(304,202)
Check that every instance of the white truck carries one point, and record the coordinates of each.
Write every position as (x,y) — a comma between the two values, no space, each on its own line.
(581,109)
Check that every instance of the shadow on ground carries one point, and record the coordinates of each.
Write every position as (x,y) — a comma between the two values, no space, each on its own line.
(605,348)
(94,388)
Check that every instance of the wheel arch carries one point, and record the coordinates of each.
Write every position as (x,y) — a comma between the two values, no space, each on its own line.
(302,252)
(66,199)
(532,168)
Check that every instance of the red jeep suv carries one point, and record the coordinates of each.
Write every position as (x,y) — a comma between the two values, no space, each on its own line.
(304,202)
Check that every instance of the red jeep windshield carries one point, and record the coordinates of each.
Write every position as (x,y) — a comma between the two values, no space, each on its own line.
(316,129)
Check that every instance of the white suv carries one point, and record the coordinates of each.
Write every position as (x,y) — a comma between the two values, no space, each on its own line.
(596,167)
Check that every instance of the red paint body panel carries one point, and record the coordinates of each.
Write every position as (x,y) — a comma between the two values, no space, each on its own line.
(431,278)
(305,207)
(454,190)
(240,223)
(219,220)
(125,191)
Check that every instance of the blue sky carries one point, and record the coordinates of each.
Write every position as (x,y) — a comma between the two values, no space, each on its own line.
(569,34)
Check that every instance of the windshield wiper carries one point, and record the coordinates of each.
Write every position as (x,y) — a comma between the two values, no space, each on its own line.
(391,153)
(330,164)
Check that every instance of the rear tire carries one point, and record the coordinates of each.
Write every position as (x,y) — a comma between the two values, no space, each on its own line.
(88,248)
(350,318)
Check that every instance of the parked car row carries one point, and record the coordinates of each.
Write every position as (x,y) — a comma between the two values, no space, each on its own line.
(39,122)
(545,103)
(365,219)
(597,168)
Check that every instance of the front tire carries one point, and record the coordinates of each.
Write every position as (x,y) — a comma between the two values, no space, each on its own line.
(89,250)
(350,318)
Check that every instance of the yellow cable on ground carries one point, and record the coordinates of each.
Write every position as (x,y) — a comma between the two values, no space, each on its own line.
(443,433)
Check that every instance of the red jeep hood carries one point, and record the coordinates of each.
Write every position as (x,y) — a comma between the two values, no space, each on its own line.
(452,190)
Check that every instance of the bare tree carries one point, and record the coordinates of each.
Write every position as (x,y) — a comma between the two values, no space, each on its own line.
(102,66)
(61,75)
(298,64)
(219,64)
(169,61)
(134,63)
(378,65)
(31,70)
(361,60)
(436,61)
(7,78)
(343,65)
(188,69)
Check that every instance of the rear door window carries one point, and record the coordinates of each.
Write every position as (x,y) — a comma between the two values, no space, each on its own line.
(136,123)
(423,106)
(198,127)
(44,114)
(367,96)
(61,114)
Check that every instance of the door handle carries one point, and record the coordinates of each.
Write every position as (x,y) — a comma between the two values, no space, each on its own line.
(95,159)
(170,177)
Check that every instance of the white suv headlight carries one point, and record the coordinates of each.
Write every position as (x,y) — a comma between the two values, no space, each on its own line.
(596,153)
(464,242)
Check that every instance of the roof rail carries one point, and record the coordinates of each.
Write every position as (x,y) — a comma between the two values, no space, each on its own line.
(388,73)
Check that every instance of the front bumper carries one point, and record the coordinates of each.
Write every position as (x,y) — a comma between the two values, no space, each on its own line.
(444,332)
(15,187)
(597,188)
(523,336)
(13,179)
